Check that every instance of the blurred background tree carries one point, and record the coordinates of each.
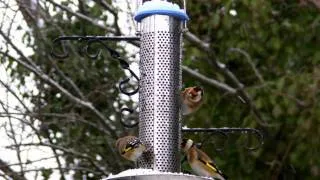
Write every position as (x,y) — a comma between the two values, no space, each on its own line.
(263,54)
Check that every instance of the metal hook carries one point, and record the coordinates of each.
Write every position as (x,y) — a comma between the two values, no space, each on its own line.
(259,136)
(126,81)
(86,49)
(220,133)
(55,42)
(122,62)
(112,52)
(123,122)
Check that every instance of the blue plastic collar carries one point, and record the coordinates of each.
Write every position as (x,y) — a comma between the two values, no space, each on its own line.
(160,7)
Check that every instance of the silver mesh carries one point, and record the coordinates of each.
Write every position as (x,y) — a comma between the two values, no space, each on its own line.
(160,82)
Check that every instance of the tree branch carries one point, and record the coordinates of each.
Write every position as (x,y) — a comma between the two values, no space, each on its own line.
(13,136)
(209,81)
(10,172)
(14,94)
(69,151)
(249,60)
(81,16)
(114,12)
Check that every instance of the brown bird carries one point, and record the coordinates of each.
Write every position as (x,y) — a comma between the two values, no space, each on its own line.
(200,162)
(130,147)
(191,99)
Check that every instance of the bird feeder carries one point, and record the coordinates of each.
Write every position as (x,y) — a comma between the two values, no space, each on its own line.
(161,26)
(160,83)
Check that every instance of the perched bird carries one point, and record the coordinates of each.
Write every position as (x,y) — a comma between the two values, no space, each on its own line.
(200,162)
(191,99)
(130,147)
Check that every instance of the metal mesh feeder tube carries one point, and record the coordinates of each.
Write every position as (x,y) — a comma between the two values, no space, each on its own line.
(159,92)
(160,83)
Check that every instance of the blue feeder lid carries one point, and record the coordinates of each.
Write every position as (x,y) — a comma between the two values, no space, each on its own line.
(160,7)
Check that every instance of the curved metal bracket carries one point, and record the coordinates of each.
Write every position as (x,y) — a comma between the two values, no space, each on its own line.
(99,39)
(226,131)
(85,49)
(65,54)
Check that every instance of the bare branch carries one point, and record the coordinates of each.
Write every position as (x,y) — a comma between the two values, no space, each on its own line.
(18,150)
(249,60)
(14,94)
(67,169)
(13,136)
(196,41)
(113,11)
(71,117)
(55,154)
(70,151)
(81,16)
(22,120)
(33,161)
(209,81)
(10,172)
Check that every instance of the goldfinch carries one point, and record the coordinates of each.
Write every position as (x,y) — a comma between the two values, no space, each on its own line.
(200,162)
(130,147)
(191,99)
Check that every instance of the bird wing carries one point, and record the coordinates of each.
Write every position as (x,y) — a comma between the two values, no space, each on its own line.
(133,143)
(207,161)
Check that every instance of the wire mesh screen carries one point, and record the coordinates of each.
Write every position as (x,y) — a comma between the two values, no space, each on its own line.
(160,81)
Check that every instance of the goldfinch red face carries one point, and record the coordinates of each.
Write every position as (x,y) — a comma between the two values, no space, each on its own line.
(191,98)
(130,147)
(195,93)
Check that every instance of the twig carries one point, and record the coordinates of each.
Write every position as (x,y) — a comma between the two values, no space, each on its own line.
(13,136)
(10,172)
(82,16)
(249,60)
(67,168)
(46,131)
(209,81)
(25,122)
(198,42)
(114,12)
(34,161)
(70,151)
(14,94)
